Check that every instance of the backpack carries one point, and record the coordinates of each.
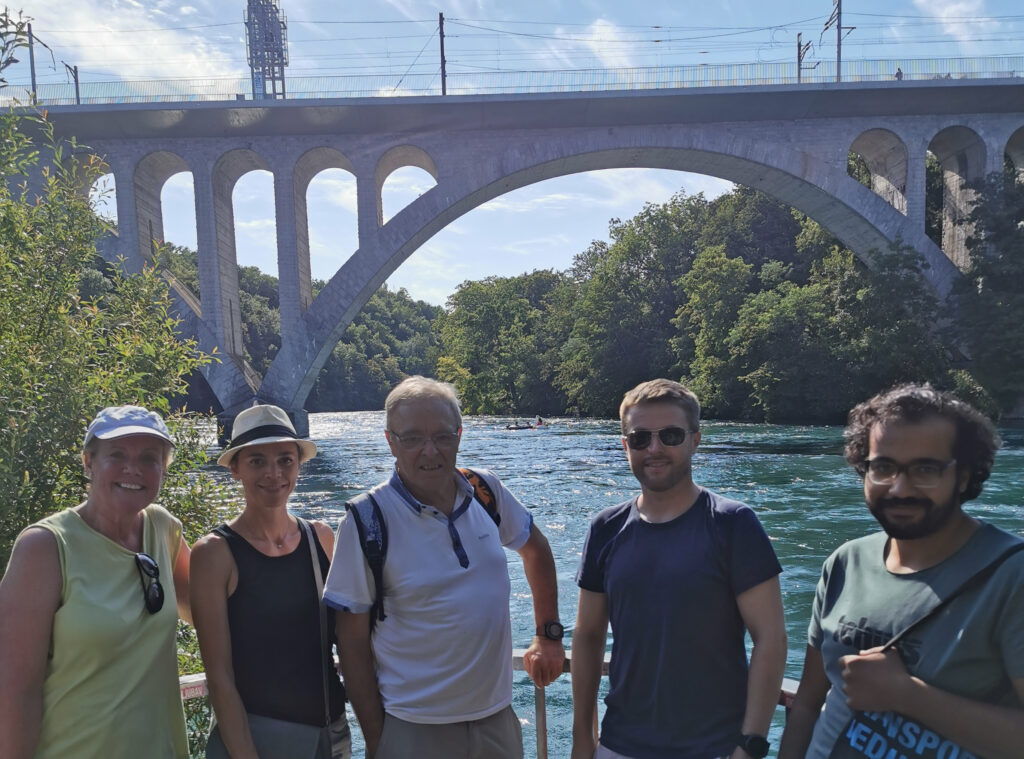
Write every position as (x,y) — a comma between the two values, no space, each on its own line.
(373,533)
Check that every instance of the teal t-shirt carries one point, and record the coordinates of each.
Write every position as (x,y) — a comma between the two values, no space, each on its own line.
(973,648)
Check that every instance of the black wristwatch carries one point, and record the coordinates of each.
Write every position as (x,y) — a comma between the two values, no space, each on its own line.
(551,631)
(755,745)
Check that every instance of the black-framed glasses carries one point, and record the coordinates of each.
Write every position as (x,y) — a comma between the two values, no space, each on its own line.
(412,442)
(670,436)
(921,473)
(149,576)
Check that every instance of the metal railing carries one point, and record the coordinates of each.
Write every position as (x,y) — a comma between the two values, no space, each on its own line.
(521,82)
(194,686)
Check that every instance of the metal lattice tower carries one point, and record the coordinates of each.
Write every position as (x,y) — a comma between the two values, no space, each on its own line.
(266,38)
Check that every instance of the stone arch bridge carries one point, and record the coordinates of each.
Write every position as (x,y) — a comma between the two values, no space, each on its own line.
(789,141)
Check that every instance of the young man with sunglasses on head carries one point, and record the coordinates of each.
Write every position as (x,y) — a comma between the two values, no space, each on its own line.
(953,686)
(681,573)
(432,676)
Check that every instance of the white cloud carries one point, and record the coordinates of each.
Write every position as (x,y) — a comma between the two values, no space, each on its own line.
(187,10)
(606,42)
(407,8)
(99,37)
(255,226)
(334,187)
(952,12)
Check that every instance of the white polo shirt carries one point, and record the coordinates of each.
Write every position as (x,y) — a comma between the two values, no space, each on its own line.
(444,652)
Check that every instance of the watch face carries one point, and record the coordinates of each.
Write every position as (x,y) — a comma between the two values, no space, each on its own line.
(756,746)
(554,630)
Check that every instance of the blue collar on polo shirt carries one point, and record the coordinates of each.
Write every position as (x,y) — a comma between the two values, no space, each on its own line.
(466,491)
(464,486)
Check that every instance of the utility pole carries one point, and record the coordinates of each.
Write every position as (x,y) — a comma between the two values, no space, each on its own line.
(444,74)
(73,70)
(837,19)
(801,52)
(32,62)
(266,38)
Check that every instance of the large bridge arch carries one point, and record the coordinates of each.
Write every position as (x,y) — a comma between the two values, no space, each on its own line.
(861,219)
(791,141)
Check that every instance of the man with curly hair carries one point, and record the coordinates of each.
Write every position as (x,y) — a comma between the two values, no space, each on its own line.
(954,685)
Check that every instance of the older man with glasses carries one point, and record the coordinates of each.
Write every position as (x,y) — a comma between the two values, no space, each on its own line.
(430,676)
(916,641)
(681,573)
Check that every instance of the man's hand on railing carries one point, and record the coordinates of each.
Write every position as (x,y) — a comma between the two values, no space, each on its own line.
(544,661)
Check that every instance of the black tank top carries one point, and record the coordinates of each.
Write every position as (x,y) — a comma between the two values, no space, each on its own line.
(275,633)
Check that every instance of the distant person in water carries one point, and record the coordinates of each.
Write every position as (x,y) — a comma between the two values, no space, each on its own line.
(953,686)
(429,672)
(681,573)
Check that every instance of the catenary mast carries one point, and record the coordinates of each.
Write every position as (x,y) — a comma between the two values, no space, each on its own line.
(266,39)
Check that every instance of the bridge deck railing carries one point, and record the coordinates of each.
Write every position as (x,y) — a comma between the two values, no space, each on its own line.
(520,82)
(194,686)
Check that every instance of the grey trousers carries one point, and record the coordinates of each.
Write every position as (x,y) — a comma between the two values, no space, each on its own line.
(499,736)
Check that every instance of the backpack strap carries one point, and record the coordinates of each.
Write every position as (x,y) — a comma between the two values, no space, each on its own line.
(373,539)
(483,493)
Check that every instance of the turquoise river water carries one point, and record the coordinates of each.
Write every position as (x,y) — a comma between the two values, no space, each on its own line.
(806,496)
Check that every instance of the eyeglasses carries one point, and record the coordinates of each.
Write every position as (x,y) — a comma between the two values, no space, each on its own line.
(922,473)
(445,440)
(670,436)
(149,576)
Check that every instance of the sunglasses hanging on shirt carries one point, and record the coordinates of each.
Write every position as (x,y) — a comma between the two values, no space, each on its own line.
(149,576)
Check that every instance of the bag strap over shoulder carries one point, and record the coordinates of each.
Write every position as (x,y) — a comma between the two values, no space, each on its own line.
(483,493)
(319,579)
(976,579)
(373,533)
(373,539)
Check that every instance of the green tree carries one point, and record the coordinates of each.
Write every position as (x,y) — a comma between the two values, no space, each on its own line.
(781,356)
(74,339)
(392,337)
(990,298)
(497,351)
(755,228)
(714,290)
(625,297)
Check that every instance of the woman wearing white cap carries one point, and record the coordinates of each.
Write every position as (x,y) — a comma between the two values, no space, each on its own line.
(89,608)
(263,631)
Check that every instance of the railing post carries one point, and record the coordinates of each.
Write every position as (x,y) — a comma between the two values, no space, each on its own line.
(541,714)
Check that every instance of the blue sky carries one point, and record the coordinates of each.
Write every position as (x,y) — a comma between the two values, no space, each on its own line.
(541,226)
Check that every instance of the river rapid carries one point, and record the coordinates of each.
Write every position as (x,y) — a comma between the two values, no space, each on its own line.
(795,478)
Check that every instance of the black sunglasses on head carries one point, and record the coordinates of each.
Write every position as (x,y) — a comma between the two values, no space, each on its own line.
(149,576)
(670,436)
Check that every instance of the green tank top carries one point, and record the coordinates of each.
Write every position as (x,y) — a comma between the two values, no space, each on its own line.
(111,688)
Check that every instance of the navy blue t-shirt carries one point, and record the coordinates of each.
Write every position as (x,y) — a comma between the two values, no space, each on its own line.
(678,673)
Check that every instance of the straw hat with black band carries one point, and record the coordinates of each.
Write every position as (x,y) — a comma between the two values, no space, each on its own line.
(262,425)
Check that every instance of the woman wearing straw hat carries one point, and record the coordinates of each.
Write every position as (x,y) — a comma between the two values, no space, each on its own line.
(263,633)
(89,607)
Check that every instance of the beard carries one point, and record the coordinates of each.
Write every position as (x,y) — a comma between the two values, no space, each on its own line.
(935,516)
(668,479)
